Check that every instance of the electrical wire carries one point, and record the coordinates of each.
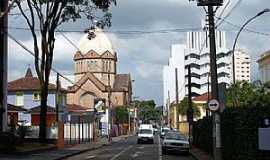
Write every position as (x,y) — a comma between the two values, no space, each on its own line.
(127,32)
(229,13)
(245,29)
(53,69)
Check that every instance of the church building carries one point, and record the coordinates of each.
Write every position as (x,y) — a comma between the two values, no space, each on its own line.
(96,74)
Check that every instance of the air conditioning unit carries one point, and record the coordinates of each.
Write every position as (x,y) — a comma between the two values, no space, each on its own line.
(209,2)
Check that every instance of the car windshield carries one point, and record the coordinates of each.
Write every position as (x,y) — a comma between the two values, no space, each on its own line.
(145,131)
(165,130)
(175,136)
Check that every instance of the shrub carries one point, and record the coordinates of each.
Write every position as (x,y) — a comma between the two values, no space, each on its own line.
(202,134)
(8,142)
(239,132)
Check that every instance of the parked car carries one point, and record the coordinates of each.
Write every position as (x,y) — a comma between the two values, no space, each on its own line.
(163,131)
(175,141)
(145,134)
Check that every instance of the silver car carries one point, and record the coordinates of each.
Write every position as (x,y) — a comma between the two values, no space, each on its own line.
(174,141)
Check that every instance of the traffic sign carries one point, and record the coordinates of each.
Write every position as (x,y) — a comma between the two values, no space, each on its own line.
(213,105)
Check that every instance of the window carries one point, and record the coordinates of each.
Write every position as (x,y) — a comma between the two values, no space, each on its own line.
(36,96)
(19,99)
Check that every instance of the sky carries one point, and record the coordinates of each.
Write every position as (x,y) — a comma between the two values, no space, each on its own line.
(144,55)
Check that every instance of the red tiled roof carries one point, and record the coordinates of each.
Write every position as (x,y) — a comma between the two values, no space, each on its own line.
(75,108)
(27,83)
(203,97)
(36,109)
(13,108)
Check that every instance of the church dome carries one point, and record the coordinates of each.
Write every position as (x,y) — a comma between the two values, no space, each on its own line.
(99,43)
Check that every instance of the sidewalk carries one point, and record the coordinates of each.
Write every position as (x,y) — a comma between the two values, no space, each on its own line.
(64,153)
(199,154)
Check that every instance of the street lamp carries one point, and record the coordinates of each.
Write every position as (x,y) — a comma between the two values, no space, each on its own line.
(237,36)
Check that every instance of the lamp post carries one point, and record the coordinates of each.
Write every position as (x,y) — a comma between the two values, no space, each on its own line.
(237,36)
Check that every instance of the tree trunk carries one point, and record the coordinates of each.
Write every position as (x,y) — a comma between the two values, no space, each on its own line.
(43,114)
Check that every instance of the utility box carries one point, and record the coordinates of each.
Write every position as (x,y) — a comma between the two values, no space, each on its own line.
(209,2)
(264,140)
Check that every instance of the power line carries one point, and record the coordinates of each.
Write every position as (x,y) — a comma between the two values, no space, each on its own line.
(121,31)
(230,12)
(245,29)
(33,54)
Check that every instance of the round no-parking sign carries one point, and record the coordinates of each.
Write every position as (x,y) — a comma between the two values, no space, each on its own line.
(213,105)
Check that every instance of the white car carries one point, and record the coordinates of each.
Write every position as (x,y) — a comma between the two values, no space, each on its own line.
(174,141)
(145,134)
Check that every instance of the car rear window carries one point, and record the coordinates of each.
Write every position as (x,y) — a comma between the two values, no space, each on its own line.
(145,131)
(175,136)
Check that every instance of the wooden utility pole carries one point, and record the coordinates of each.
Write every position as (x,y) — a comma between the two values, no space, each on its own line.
(176,98)
(213,72)
(214,84)
(3,63)
(190,109)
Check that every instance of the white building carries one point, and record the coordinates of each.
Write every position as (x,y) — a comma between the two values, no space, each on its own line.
(264,67)
(196,54)
(242,65)
(176,62)
(198,57)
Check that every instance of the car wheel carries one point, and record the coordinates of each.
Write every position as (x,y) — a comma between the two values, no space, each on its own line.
(164,151)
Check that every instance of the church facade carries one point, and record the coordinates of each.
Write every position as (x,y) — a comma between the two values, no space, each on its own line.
(96,74)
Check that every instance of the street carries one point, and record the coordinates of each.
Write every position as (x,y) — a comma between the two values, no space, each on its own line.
(129,149)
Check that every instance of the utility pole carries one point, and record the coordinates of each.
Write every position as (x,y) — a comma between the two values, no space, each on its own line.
(208,93)
(176,98)
(3,64)
(109,105)
(190,109)
(213,72)
(57,96)
(214,85)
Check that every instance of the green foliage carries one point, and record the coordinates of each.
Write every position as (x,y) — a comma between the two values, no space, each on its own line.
(239,124)
(202,134)
(183,106)
(121,114)
(239,132)
(147,111)
(43,17)
(244,94)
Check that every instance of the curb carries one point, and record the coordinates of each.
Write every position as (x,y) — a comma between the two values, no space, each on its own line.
(86,150)
(193,156)
(80,152)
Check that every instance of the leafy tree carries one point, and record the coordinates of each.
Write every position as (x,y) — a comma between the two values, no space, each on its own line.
(147,111)
(43,17)
(121,114)
(247,94)
(183,107)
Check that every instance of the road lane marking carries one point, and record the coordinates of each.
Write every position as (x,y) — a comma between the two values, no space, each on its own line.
(90,157)
(159,149)
(117,155)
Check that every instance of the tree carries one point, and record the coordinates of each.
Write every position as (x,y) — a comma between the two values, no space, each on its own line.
(247,94)
(147,111)
(121,114)
(183,107)
(43,17)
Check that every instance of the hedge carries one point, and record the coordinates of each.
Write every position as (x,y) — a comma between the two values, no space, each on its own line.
(202,134)
(239,133)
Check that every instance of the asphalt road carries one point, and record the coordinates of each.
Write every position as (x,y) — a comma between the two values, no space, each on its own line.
(129,150)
